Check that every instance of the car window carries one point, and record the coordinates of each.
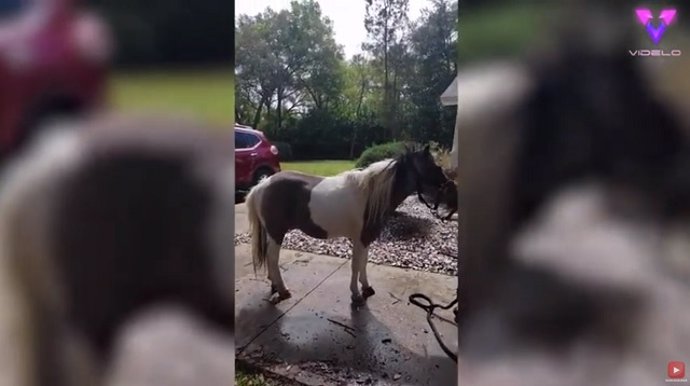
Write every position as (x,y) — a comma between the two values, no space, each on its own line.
(245,140)
(12,8)
(252,140)
(239,143)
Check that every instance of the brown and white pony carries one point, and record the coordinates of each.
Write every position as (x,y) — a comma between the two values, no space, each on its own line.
(353,204)
(100,220)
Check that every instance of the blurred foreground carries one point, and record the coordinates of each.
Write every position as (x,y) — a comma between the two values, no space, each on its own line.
(104,220)
(575,197)
(114,266)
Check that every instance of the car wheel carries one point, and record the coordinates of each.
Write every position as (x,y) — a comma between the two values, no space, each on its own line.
(262,174)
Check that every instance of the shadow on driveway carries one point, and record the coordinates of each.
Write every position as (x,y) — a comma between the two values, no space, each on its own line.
(366,351)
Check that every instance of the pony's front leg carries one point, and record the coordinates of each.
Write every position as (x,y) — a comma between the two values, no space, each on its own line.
(359,270)
(367,290)
(357,298)
(279,291)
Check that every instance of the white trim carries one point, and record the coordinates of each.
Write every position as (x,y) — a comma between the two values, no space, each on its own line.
(450,96)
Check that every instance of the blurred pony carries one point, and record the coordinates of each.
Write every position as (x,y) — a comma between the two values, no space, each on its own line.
(99,221)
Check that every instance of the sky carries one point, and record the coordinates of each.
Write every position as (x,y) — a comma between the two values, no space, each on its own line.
(347,17)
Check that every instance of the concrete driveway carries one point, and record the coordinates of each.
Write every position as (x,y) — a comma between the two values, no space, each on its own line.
(317,338)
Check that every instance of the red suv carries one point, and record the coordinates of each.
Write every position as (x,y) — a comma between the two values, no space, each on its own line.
(255,157)
(54,59)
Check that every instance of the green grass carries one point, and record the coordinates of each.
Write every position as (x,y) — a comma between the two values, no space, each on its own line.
(206,94)
(319,168)
(502,30)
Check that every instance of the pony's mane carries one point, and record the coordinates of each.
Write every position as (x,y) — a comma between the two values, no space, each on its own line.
(376,181)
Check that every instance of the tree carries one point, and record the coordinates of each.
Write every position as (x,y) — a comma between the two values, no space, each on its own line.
(288,61)
(256,66)
(384,21)
(293,82)
(319,74)
(433,47)
(358,95)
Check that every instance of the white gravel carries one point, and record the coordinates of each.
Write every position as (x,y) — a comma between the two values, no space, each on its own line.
(413,238)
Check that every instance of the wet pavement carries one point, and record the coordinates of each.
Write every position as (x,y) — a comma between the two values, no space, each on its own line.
(317,338)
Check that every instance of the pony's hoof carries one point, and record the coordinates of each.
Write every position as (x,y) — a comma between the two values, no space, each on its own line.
(274,289)
(280,296)
(357,300)
(368,292)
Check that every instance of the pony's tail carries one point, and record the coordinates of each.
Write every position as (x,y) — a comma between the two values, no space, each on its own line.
(258,232)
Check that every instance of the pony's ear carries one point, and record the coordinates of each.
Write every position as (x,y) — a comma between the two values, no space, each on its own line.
(427,149)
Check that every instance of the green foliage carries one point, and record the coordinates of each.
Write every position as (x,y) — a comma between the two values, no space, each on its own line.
(386,22)
(393,149)
(293,84)
(245,379)
(380,152)
(505,30)
(324,134)
(287,61)
(284,150)
(434,49)
(493,29)
(436,148)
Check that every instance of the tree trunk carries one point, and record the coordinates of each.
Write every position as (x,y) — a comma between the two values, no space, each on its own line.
(353,142)
(280,107)
(386,88)
(257,114)
(394,107)
(354,131)
(239,116)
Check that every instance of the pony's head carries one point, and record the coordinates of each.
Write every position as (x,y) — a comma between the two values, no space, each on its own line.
(389,183)
(424,175)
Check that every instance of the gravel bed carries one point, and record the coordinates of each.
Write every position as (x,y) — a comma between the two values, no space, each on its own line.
(413,238)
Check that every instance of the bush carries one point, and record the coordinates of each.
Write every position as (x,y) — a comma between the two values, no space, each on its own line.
(284,150)
(380,152)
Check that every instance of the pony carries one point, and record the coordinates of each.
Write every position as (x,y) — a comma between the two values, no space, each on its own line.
(102,219)
(574,240)
(354,204)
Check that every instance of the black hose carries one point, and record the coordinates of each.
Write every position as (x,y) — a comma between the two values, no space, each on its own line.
(430,307)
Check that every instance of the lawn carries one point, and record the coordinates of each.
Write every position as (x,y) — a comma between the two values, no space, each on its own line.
(319,168)
(207,94)
(502,30)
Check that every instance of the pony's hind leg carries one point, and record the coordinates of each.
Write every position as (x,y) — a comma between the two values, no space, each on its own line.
(279,291)
(274,289)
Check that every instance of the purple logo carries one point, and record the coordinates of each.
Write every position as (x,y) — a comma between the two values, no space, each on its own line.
(645,17)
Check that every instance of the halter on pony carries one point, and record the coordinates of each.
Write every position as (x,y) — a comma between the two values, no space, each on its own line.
(441,189)
(437,199)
